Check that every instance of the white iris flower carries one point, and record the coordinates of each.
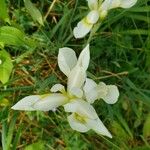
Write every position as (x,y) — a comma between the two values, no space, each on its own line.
(98,10)
(74,69)
(80,93)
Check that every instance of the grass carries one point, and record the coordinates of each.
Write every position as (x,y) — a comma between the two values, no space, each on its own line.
(120,54)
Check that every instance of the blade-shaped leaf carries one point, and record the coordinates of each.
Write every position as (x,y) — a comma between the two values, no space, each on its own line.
(5,66)
(34,12)
(11,36)
(3,11)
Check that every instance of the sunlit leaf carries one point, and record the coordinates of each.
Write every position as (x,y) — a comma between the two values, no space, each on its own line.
(5,66)
(33,11)
(4,102)
(38,146)
(3,11)
(146,128)
(11,36)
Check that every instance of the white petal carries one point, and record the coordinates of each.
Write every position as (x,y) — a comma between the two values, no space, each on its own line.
(110,4)
(89,85)
(76,92)
(57,88)
(82,108)
(98,127)
(66,60)
(127,3)
(76,78)
(50,102)
(84,58)
(92,17)
(93,4)
(76,125)
(26,103)
(102,90)
(89,90)
(82,29)
(112,94)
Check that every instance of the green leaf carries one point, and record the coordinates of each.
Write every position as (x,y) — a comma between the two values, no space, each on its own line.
(146,128)
(11,36)
(5,66)
(38,146)
(34,12)
(3,11)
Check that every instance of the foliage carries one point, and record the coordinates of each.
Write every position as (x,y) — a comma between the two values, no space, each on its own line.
(120,54)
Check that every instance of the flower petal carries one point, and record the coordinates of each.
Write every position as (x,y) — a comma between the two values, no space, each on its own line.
(50,102)
(76,77)
(90,91)
(66,60)
(112,94)
(98,127)
(84,58)
(92,17)
(93,4)
(82,108)
(76,92)
(127,3)
(82,29)
(76,125)
(26,103)
(110,4)
(57,88)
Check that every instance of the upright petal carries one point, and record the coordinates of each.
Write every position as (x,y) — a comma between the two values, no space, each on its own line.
(27,103)
(112,94)
(57,88)
(66,60)
(84,58)
(77,92)
(76,77)
(93,4)
(98,127)
(127,3)
(50,102)
(76,125)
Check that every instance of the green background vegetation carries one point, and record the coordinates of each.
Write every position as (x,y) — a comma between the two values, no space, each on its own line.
(120,54)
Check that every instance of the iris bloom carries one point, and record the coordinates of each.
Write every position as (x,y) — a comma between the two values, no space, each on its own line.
(74,69)
(98,10)
(77,98)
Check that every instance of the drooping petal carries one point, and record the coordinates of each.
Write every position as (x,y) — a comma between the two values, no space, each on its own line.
(110,4)
(127,3)
(112,94)
(66,60)
(98,127)
(76,125)
(86,24)
(26,103)
(76,78)
(92,17)
(82,108)
(93,4)
(50,102)
(84,58)
(57,88)
(82,29)
(89,90)
(89,85)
